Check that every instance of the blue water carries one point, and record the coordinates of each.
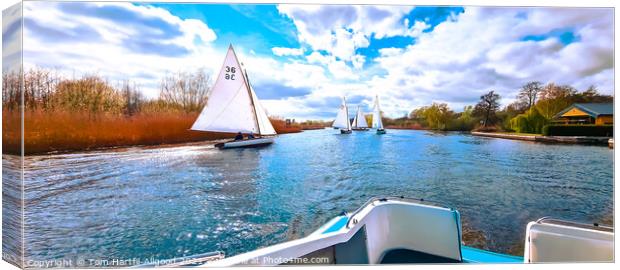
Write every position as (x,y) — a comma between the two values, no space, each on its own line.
(165,202)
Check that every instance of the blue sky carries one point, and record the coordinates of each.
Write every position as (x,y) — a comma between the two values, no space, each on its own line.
(302,58)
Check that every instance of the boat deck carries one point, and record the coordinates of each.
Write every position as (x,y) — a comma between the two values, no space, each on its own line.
(403,256)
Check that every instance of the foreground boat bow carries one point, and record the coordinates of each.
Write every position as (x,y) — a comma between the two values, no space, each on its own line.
(408,231)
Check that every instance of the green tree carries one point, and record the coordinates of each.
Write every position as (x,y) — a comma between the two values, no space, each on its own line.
(554,98)
(435,116)
(465,120)
(532,121)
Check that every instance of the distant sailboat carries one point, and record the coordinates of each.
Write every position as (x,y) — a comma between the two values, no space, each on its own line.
(342,118)
(376,118)
(359,123)
(233,107)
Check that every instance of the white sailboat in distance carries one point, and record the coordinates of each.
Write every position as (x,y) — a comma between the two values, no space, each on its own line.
(342,118)
(233,107)
(359,123)
(376,117)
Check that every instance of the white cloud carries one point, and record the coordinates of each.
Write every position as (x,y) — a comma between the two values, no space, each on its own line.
(341,29)
(482,50)
(75,38)
(280,51)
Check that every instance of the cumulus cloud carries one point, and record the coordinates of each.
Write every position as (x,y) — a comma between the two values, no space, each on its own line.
(117,40)
(342,29)
(144,43)
(483,49)
(281,51)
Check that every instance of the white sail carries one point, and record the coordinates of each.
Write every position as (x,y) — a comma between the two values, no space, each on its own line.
(376,115)
(346,108)
(342,118)
(264,123)
(232,106)
(360,120)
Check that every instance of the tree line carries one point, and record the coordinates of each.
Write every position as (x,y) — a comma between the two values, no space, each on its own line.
(535,106)
(47,90)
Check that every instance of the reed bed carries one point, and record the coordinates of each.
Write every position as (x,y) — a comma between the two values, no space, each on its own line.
(65,131)
(281,127)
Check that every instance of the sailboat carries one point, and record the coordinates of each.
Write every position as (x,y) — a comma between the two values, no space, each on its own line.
(376,118)
(233,107)
(359,123)
(342,118)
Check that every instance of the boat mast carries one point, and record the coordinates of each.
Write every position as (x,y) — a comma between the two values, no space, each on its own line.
(355,119)
(378,109)
(346,109)
(247,85)
(247,82)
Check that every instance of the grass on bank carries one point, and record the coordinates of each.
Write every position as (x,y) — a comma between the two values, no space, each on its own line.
(64,131)
(517,133)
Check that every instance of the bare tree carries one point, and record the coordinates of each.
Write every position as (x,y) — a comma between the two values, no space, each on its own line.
(37,85)
(529,92)
(11,90)
(188,90)
(132,97)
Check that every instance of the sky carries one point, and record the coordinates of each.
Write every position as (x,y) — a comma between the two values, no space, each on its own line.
(301,59)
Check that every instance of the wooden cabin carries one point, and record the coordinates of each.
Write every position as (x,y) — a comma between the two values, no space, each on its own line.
(586,113)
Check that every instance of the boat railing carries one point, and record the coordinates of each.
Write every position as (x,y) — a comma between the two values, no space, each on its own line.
(593,226)
(372,200)
(192,260)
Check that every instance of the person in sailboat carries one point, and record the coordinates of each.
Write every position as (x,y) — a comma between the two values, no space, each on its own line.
(239,136)
(251,136)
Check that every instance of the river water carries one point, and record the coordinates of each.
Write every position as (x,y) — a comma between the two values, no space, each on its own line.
(165,202)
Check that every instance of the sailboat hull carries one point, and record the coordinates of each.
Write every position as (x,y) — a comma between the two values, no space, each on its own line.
(360,129)
(345,131)
(258,142)
(380,131)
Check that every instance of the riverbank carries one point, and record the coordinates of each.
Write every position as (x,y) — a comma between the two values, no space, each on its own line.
(546,139)
(63,131)
(414,127)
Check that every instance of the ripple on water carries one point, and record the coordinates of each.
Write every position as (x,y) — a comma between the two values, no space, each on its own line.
(188,199)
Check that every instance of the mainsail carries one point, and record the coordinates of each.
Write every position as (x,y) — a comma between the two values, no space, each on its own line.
(342,118)
(360,120)
(376,115)
(232,105)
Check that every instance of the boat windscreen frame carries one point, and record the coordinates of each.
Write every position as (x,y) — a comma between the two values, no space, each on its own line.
(594,226)
(394,198)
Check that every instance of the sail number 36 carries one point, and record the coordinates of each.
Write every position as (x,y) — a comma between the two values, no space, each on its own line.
(230,73)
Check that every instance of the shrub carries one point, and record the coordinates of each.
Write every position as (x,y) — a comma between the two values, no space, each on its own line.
(578,130)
